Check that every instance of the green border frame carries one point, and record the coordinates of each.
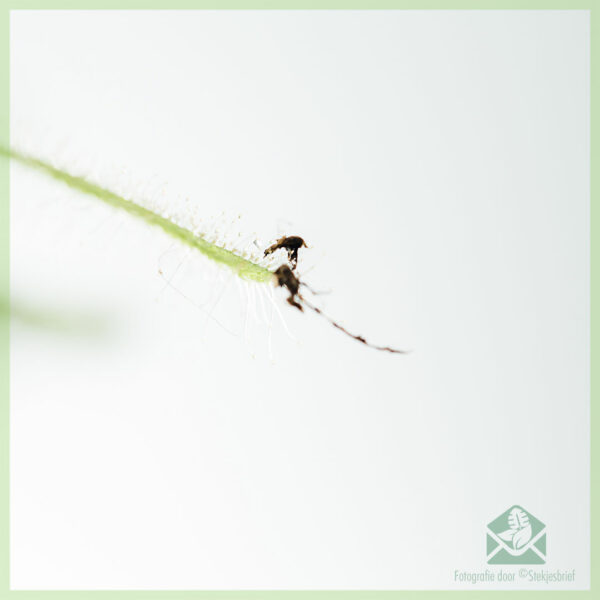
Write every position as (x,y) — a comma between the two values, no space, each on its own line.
(6,6)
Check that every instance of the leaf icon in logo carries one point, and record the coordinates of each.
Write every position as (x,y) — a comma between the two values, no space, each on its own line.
(520,528)
(517,519)
(508,535)
(522,537)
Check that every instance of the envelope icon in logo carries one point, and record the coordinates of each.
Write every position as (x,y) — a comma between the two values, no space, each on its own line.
(516,537)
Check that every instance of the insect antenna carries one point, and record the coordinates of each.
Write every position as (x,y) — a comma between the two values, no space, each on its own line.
(358,338)
(313,291)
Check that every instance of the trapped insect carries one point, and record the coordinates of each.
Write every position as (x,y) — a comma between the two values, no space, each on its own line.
(292,244)
(284,277)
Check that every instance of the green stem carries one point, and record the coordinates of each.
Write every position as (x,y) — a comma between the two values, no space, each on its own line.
(244,268)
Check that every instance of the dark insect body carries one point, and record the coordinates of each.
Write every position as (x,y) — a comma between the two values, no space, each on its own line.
(290,243)
(285,278)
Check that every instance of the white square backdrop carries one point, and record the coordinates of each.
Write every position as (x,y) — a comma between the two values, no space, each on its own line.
(437,163)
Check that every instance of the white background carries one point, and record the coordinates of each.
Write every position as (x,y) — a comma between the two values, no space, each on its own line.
(437,163)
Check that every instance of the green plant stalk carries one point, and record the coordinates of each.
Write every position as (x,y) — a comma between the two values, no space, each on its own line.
(244,268)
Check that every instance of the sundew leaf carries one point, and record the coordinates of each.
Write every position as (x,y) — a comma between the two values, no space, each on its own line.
(243,267)
(246,269)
